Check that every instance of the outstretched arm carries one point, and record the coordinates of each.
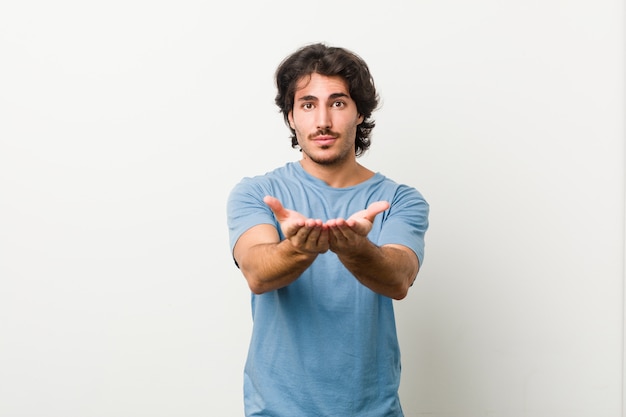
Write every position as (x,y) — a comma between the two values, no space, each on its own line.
(388,270)
(268,263)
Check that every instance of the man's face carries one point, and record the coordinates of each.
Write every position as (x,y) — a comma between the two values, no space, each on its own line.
(325,119)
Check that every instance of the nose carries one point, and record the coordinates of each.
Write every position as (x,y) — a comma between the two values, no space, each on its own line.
(323,118)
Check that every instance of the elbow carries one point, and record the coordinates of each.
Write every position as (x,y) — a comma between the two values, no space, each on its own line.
(257,283)
(399,297)
(261,285)
(257,286)
(254,284)
(400,292)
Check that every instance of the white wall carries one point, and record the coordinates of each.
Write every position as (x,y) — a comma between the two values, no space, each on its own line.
(124,124)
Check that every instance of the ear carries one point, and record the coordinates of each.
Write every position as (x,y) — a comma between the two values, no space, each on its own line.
(360,119)
(290,117)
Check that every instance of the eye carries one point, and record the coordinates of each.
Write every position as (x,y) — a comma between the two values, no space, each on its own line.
(339,104)
(307,106)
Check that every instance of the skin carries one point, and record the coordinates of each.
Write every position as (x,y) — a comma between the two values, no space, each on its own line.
(325,119)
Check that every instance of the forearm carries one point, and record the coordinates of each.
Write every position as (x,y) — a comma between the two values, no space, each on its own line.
(270,266)
(386,270)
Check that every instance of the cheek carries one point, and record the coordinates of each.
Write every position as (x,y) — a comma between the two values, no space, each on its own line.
(298,121)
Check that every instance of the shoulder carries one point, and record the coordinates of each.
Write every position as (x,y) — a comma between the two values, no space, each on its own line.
(263,184)
(283,173)
(397,192)
(406,201)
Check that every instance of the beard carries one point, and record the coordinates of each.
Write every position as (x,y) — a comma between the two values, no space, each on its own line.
(343,151)
(328,159)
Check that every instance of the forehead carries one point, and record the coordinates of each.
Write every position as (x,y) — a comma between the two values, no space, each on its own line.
(320,86)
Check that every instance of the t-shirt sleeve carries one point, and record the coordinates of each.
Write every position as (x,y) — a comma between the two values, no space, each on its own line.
(406,221)
(245,208)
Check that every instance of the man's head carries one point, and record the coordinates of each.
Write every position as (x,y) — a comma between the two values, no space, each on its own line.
(329,61)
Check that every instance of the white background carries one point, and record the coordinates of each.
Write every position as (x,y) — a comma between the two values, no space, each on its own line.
(124,125)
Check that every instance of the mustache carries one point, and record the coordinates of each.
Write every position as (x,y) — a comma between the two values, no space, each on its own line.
(326,131)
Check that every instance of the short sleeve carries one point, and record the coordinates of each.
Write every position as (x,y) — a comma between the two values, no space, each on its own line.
(406,222)
(245,208)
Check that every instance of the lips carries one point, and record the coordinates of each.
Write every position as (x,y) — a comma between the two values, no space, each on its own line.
(324,140)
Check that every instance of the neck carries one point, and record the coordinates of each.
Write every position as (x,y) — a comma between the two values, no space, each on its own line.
(342,175)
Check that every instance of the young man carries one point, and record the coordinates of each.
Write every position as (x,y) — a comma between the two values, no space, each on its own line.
(325,245)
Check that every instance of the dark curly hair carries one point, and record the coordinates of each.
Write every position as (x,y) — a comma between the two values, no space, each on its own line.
(329,61)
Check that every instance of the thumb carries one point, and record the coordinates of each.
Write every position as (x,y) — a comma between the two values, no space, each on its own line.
(375,209)
(276,206)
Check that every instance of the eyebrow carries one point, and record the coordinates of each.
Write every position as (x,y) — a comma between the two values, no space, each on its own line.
(331,97)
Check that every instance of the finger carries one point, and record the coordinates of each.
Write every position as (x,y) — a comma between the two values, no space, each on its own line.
(317,239)
(339,230)
(312,237)
(293,230)
(359,224)
(323,241)
(276,206)
(375,209)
